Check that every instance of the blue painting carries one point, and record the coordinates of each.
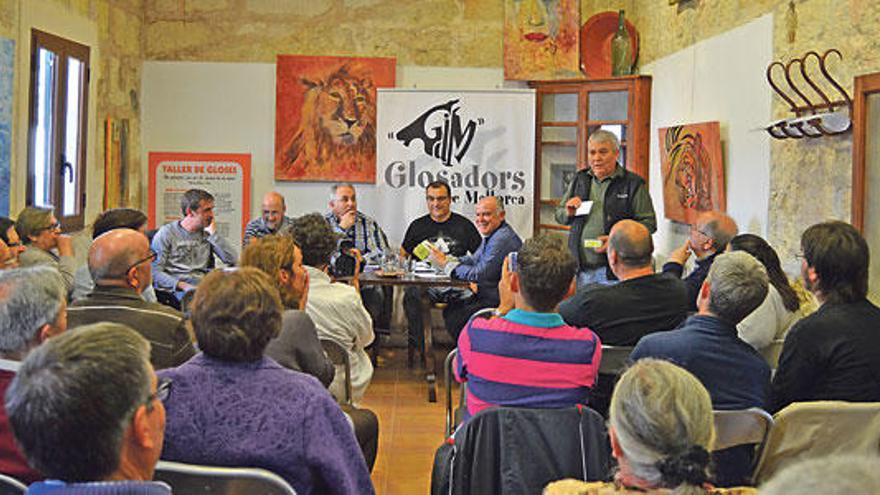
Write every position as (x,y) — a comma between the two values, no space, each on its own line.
(7,64)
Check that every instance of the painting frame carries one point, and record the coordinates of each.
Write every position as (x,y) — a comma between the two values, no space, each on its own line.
(325,117)
(692,170)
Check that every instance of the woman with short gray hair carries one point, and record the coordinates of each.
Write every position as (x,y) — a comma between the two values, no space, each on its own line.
(661,428)
(44,243)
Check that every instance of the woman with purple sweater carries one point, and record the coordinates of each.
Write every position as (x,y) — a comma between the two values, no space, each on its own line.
(232,406)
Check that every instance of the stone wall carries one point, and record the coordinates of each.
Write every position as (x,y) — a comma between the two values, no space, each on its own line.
(810,179)
(418,32)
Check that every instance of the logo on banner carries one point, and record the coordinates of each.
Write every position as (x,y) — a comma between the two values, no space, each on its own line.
(441,132)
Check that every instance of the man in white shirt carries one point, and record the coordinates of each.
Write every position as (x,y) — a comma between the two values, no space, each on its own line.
(336,308)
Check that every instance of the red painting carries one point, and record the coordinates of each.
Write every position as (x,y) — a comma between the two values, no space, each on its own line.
(325,117)
(541,39)
(693,173)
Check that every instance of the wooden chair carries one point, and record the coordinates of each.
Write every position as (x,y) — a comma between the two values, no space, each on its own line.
(741,427)
(813,429)
(339,356)
(195,479)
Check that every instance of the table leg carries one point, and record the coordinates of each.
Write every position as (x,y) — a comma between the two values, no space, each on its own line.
(428,347)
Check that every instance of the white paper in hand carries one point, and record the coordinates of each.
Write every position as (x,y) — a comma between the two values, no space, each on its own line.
(584,209)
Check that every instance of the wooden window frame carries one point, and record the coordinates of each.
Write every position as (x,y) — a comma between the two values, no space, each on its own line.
(64,48)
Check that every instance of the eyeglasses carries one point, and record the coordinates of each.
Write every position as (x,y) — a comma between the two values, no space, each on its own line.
(438,199)
(54,226)
(163,390)
(149,258)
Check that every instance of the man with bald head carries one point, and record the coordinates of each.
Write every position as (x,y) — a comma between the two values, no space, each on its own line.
(643,302)
(272,221)
(120,264)
(708,238)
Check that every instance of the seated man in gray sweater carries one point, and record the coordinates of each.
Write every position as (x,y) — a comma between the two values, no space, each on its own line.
(185,248)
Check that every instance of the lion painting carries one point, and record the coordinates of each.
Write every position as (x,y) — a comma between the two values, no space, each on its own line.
(335,136)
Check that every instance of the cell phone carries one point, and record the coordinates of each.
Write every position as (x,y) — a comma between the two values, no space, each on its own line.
(511,261)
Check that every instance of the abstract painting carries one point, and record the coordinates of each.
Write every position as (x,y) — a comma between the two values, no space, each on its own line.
(541,39)
(7,64)
(325,117)
(692,168)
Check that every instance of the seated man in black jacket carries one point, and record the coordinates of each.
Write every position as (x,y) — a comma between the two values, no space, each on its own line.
(834,353)
(643,302)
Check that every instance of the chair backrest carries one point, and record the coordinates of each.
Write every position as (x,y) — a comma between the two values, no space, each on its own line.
(518,451)
(339,356)
(772,351)
(812,429)
(741,427)
(11,486)
(194,479)
(615,359)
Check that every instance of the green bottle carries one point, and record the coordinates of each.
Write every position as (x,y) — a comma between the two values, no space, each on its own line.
(621,51)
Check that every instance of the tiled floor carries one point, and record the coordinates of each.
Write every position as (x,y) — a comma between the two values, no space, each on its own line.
(410,428)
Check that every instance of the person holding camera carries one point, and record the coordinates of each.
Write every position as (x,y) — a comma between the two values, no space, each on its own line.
(362,240)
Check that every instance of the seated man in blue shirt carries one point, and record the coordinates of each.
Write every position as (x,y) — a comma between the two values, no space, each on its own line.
(707,345)
(483,268)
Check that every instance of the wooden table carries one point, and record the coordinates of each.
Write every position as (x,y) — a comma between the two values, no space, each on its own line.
(423,284)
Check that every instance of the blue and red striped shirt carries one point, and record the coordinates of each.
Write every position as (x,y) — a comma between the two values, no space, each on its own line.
(527,359)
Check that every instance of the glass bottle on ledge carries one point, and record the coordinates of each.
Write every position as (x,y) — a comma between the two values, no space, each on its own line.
(621,51)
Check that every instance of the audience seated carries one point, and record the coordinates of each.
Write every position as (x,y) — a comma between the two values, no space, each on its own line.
(834,353)
(114,218)
(444,229)
(483,268)
(119,263)
(232,406)
(643,302)
(10,244)
(32,309)
(661,430)
(87,410)
(297,346)
(272,221)
(707,345)
(185,249)
(369,241)
(708,237)
(45,244)
(529,357)
(780,309)
(335,307)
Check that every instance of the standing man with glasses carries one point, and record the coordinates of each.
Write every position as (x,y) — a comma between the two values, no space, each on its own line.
(120,264)
(87,410)
(45,244)
(708,238)
(453,234)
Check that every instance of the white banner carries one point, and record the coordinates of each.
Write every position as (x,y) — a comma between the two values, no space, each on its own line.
(480,142)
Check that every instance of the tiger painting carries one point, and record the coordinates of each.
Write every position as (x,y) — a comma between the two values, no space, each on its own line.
(336,135)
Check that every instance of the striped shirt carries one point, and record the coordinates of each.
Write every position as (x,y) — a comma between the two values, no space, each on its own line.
(527,359)
(366,234)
